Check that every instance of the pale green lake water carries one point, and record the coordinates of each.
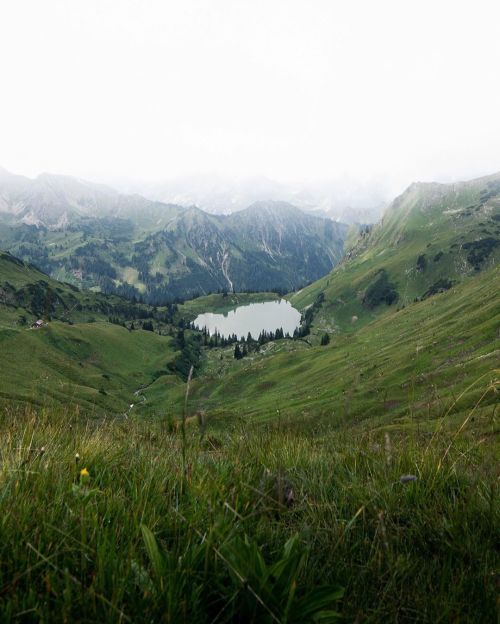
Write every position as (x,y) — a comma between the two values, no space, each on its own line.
(253,318)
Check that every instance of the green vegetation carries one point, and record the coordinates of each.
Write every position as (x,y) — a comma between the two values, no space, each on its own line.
(346,473)
(325,340)
(189,344)
(62,363)
(380,291)
(77,356)
(404,367)
(480,250)
(455,225)
(290,522)
(164,253)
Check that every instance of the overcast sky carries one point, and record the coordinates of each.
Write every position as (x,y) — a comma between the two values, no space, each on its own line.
(293,90)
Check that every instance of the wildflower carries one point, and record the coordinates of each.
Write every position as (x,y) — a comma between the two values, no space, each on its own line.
(42,450)
(77,457)
(84,473)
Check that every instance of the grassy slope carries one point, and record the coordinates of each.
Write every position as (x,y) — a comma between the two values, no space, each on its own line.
(394,361)
(97,365)
(74,548)
(335,426)
(71,304)
(409,362)
(388,364)
(428,219)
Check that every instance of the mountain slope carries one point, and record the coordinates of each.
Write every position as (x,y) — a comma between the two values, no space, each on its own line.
(94,237)
(405,369)
(257,249)
(412,312)
(430,238)
(77,356)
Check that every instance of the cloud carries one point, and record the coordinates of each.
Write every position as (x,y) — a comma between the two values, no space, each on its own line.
(292,90)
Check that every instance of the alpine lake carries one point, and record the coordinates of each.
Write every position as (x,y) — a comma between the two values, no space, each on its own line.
(254,318)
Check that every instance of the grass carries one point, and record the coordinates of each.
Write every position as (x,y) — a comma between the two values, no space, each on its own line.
(305,483)
(97,366)
(284,522)
(405,367)
(433,221)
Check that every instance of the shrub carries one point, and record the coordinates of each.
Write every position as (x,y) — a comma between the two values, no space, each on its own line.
(381,290)
(421,262)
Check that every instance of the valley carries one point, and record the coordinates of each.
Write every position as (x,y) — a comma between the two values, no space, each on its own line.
(249,312)
(420,287)
(368,437)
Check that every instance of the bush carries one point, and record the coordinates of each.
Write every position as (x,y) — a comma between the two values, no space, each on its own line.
(381,290)
(421,262)
(480,250)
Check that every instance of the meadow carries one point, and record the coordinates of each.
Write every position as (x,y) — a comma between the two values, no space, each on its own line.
(405,368)
(352,481)
(124,520)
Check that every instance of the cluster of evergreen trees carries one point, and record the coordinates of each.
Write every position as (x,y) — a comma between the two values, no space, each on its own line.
(265,336)
(217,340)
(308,317)
(126,312)
(240,352)
(381,290)
(190,345)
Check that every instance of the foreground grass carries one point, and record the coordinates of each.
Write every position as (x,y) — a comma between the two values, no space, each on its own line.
(278,523)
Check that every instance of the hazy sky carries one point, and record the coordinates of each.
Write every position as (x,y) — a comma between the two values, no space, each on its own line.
(293,90)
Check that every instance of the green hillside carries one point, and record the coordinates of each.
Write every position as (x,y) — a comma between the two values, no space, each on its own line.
(97,366)
(24,289)
(77,357)
(407,368)
(412,314)
(350,481)
(429,239)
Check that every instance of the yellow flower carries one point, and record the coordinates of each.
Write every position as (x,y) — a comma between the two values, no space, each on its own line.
(84,473)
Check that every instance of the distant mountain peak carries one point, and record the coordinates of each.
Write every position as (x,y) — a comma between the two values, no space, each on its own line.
(273,207)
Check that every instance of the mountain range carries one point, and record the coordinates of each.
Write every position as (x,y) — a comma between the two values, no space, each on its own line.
(342,199)
(414,303)
(96,237)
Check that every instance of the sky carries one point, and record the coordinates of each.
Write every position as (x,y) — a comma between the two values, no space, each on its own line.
(288,89)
